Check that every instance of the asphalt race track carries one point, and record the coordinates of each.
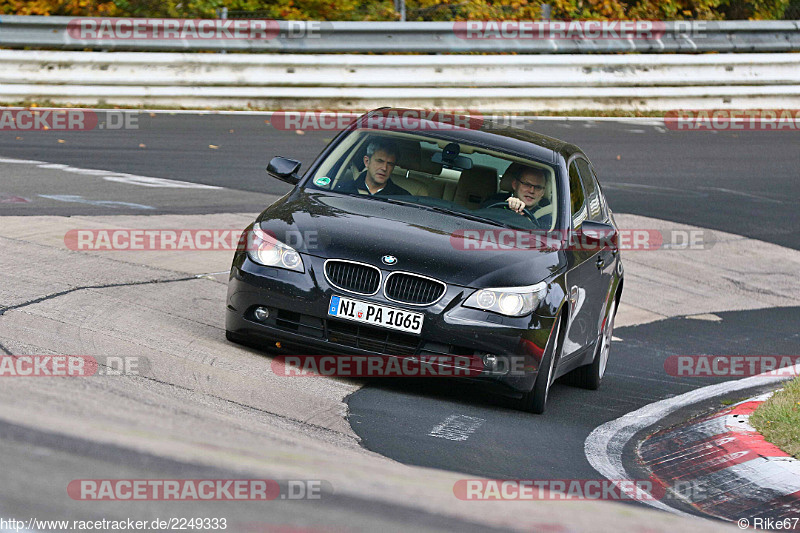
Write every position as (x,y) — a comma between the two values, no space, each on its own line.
(396,420)
(740,182)
(208,409)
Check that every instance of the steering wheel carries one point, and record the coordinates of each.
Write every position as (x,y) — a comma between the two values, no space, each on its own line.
(527,212)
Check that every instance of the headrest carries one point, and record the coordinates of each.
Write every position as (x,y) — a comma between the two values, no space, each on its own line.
(427,166)
(475,185)
(408,154)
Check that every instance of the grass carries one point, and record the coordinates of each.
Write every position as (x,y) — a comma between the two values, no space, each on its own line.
(778,419)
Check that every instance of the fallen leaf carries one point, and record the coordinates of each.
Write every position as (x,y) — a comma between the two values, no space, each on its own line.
(300,132)
(19,138)
(213,146)
(142,145)
(266,122)
(152,114)
(619,157)
(230,131)
(61,141)
(45,128)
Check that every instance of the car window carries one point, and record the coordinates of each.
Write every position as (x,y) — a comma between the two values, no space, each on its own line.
(576,196)
(590,190)
(600,195)
(476,189)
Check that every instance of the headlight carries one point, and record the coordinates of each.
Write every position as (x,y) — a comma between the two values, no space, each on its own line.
(509,301)
(269,251)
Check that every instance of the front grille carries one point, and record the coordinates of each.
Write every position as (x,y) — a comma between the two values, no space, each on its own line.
(411,289)
(353,277)
(375,340)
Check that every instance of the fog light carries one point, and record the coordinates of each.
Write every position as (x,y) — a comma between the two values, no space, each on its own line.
(489,361)
(261,313)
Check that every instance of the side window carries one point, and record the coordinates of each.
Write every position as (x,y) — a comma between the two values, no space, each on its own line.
(576,196)
(603,204)
(590,188)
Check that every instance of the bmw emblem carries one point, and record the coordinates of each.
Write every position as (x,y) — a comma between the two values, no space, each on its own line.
(389,260)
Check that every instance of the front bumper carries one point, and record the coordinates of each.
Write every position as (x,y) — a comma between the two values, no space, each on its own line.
(298,323)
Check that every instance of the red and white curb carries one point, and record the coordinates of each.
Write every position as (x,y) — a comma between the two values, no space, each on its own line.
(723,467)
(748,477)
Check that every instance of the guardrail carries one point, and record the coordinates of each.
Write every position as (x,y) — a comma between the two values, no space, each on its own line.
(418,37)
(501,83)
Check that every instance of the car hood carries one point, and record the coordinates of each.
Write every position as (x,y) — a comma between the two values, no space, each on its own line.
(425,242)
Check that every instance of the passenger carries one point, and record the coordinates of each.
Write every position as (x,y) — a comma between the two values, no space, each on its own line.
(380,161)
(528,187)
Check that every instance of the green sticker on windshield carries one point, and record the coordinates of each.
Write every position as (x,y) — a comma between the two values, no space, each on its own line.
(322,181)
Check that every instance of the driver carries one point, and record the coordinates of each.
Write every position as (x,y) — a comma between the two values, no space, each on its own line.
(528,185)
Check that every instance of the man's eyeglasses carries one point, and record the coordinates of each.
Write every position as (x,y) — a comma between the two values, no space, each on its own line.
(531,186)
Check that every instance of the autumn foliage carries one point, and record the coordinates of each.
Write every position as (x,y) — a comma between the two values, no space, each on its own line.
(442,10)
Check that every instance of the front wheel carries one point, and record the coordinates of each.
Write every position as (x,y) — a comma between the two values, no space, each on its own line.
(536,400)
(590,376)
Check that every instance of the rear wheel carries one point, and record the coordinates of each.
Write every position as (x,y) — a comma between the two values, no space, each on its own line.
(590,376)
(536,400)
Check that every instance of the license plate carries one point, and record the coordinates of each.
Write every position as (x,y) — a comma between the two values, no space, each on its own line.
(377,315)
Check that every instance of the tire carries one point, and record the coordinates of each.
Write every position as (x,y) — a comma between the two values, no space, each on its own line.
(590,376)
(536,400)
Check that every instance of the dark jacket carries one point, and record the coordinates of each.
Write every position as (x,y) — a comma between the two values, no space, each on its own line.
(544,221)
(359,184)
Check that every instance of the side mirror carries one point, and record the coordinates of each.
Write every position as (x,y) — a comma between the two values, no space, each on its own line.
(599,235)
(284,169)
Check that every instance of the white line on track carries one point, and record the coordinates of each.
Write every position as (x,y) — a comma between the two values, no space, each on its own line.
(119,177)
(77,199)
(746,195)
(603,447)
(456,427)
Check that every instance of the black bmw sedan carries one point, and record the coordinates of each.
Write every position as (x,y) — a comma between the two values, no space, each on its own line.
(432,237)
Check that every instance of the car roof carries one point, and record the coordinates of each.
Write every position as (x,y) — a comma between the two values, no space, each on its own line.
(485,132)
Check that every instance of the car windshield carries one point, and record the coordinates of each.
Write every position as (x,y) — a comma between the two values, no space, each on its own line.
(456,179)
